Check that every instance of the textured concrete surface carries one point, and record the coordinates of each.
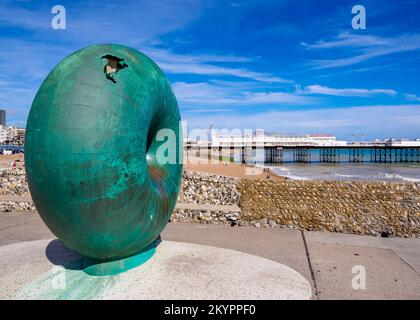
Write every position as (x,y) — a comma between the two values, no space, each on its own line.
(176,271)
(21,226)
(281,245)
(212,207)
(392,264)
(179,205)
(407,249)
(331,257)
(15,198)
(387,275)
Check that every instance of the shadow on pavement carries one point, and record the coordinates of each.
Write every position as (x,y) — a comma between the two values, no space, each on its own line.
(58,254)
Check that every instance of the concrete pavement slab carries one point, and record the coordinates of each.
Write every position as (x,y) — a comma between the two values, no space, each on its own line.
(22,227)
(176,271)
(391,263)
(387,275)
(281,245)
(8,219)
(407,249)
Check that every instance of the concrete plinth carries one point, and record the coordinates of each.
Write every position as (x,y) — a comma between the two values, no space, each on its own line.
(45,269)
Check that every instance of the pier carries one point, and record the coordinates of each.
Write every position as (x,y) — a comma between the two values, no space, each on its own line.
(272,154)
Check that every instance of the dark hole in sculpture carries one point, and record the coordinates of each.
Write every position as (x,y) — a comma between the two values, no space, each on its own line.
(151,133)
(114,65)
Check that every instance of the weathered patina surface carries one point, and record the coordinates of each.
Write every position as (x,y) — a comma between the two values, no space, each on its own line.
(90,151)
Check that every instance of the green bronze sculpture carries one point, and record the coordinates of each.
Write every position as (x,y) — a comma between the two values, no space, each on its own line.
(90,152)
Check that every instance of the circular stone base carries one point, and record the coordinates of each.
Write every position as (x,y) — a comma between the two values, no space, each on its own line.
(46,269)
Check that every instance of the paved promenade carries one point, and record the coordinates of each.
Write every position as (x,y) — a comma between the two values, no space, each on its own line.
(392,265)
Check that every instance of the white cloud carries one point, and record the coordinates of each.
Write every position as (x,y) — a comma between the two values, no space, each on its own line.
(204,93)
(136,23)
(167,55)
(207,69)
(366,47)
(28,61)
(204,64)
(376,121)
(346,39)
(349,92)
(36,20)
(246,93)
(124,21)
(208,110)
(412,97)
(277,97)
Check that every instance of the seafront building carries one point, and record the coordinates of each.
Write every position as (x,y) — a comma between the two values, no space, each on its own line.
(12,135)
(4,134)
(17,135)
(269,139)
(2,117)
(310,140)
(403,143)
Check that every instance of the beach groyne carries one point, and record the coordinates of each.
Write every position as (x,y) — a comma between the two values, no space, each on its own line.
(360,207)
(202,188)
(215,197)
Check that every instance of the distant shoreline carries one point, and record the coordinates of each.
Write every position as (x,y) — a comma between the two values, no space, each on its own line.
(315,171)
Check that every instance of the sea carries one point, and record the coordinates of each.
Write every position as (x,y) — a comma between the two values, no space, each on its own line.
(348,171)
(345,170)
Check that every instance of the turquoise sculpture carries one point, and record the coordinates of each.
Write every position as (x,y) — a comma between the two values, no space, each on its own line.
(91,152)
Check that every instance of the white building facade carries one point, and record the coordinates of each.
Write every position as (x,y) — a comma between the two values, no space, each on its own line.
(12,135)
(274,139)
(403,143)
(5,134)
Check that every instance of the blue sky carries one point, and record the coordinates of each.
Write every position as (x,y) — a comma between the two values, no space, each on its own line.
(284,66)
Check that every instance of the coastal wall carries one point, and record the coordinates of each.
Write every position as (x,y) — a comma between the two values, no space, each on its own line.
(13,184)
(372,208)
